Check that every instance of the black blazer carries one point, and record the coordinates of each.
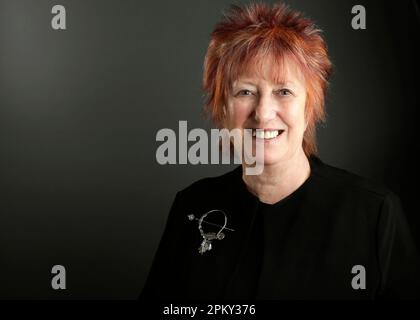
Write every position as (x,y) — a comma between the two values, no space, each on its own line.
(339,220)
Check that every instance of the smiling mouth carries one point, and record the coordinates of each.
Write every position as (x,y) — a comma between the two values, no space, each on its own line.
(266,134)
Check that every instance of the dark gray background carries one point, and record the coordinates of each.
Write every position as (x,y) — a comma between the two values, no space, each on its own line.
(79,112)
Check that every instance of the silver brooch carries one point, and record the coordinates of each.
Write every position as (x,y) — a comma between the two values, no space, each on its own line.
(206,244)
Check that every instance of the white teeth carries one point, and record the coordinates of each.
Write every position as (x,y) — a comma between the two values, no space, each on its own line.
(265,134)
(260,134)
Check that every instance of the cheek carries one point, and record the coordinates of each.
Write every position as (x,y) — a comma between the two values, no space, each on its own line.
(238,115)
(294,115)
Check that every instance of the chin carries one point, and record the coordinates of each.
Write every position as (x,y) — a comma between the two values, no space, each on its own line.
(272,157)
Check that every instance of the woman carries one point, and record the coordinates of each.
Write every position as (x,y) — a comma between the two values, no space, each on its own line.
(301,228)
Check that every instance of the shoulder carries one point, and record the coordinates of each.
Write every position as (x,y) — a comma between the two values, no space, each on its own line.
(332,181)
(341,181)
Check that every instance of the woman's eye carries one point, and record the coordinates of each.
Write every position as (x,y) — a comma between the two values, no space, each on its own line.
(244,92)
(284,92)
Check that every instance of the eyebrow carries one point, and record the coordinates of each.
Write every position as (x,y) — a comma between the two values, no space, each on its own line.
(283,83)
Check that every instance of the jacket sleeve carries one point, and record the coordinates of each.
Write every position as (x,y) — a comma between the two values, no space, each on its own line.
(397,254)
(165,276)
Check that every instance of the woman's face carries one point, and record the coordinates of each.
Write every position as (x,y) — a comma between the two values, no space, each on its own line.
(256,102)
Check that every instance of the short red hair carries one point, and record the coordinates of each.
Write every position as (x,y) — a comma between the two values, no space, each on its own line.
(249,34)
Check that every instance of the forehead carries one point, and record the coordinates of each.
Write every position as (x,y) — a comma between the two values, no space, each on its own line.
(284,70)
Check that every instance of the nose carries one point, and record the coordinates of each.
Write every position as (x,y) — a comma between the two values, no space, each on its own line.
(265,110)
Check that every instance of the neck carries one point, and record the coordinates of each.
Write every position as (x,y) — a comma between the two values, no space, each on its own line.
(279,180)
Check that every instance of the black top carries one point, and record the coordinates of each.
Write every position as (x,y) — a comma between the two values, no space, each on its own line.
(303,247)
